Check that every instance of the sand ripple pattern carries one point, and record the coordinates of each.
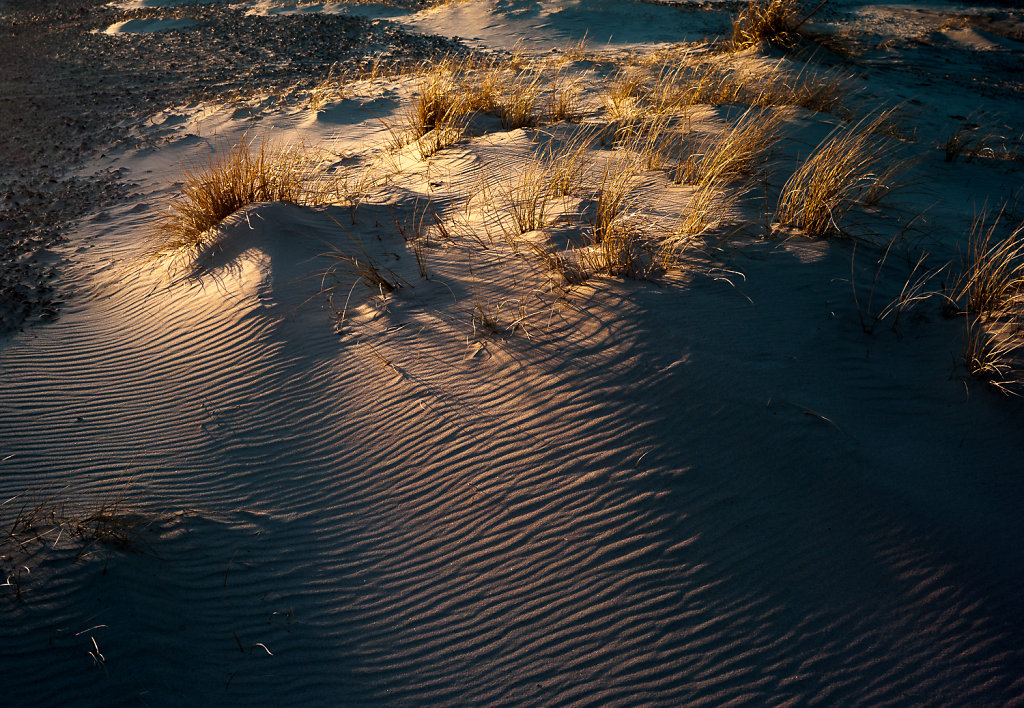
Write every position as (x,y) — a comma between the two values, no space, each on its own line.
(403,515)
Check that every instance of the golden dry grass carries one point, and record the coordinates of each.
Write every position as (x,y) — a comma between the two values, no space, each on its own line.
(453,89)
(994,353)
(245,173)
(638,91)
(706,210)
(991,294)
(614,197)
(525,196)
(568,163)
(736,151)
(564,99)
(993,281)
(772,21)
(828,183)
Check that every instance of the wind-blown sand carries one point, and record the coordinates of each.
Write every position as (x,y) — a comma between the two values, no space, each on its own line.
(711,487)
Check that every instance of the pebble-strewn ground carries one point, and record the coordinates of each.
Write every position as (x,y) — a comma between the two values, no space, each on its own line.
(67,91)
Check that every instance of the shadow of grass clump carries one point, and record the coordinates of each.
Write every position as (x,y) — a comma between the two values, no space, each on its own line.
(34,527)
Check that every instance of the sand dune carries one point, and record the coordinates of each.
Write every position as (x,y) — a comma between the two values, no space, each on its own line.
(485,484)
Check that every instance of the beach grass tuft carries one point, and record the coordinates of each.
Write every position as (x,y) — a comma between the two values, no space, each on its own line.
(772,21)
(843,167)
(245,173)
(991,291)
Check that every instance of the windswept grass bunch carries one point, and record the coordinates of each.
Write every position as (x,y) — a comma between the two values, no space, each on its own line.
(614,197)
(992,293)
(806,87)
(994,353)
(517,100)
(706,209)
(564,100)
(827,184)
(773,21)
(701,80)
(439,100)
(568,163)
(245,173)
(993,281)
(526,195)
(718,159)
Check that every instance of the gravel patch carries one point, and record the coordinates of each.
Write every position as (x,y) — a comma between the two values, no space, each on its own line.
(69,92)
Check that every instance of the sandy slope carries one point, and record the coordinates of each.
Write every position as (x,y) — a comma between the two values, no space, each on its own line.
(714,487)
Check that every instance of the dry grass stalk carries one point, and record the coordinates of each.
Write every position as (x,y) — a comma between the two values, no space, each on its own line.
(621,246)
(109,523)
(828,182)
(695,80)
(526,195)
(566,264)
(969,142)
(625,90)
(575,51)
(913,292)
(564,102)
(888,180)
(569,163)
(614,196)
(233,178)
(517,101)
(450,129)
(813,90)
(650,141)
(455,88)
(35,526)
(995,353)
(325,90)
(416,233)
(706,210)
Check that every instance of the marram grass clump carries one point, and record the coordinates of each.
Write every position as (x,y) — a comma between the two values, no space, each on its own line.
(773,21)
(848,165)
(245,173)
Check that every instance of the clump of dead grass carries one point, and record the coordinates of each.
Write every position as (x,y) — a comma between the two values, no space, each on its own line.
(992,293)
(772,21)
(245,173)
(971,141)
(564,99)
(736,151)
(828,183)
(636,91)
(453,89)
(31,526)
(622,247)
(993,281)
(708,206)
